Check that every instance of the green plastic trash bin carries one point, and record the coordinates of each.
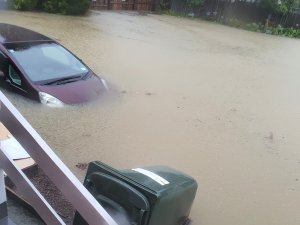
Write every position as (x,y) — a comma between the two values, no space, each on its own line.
(155,195)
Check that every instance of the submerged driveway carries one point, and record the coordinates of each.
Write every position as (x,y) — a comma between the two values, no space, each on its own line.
(218,103)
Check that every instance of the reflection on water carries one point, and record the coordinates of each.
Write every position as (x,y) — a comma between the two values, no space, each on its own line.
(196,96)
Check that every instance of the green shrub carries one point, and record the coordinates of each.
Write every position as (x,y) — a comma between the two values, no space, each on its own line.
(25,4)
(69,7)
(291,32)
(40,5)
(56,6)
(234,22)
(288,32)
(77,7)
(255,27)
(279,30)
(252,27)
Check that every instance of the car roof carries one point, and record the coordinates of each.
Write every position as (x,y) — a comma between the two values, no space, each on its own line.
(15,34)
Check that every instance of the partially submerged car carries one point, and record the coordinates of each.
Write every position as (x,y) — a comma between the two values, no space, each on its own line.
(38,67)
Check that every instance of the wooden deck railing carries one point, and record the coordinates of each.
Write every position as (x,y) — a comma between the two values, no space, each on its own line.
(52,166)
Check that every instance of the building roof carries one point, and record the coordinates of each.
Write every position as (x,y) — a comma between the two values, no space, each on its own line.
(13,34)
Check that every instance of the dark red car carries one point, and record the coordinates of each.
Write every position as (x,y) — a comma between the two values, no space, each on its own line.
(38,67)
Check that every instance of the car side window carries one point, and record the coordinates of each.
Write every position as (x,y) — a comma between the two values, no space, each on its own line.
(14,76)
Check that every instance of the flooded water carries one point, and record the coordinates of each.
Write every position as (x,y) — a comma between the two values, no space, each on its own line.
(218,103)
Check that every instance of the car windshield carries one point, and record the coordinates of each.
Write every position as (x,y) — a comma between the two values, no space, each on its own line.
(44,62)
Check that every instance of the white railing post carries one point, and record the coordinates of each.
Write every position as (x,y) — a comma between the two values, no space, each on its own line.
(3,207)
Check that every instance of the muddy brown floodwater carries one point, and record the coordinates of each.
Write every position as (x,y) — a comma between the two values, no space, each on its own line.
(218,103)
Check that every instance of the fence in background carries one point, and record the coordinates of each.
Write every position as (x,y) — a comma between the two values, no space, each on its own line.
(136,5)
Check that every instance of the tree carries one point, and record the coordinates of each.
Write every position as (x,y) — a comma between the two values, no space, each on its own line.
(69,7)
(279,7)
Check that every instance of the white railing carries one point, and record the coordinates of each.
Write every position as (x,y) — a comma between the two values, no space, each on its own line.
(53,167)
